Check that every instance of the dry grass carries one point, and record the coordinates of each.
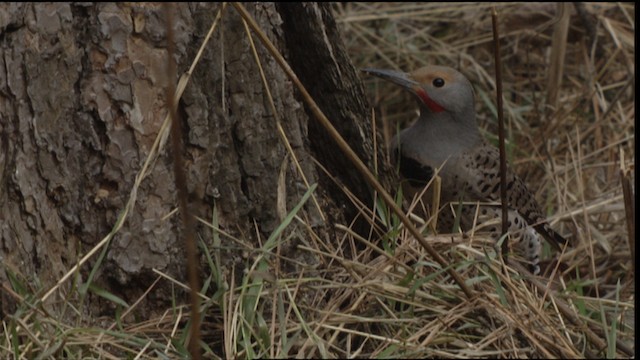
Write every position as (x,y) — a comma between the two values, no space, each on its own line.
(567,138)
(383,296)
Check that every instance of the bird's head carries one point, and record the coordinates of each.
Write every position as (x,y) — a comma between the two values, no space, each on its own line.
(437,88)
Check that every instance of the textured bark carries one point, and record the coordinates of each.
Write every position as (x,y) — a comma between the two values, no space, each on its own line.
(82,101)
(317,55)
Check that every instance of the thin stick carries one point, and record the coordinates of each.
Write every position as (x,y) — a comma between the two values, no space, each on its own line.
(629,210)
(558,51)
(181,185)
(346,149)
(503,155)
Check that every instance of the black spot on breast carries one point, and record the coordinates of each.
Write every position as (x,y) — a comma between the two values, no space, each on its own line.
(417,174)
(510,185)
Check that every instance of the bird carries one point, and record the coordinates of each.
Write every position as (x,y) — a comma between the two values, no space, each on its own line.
(446,140)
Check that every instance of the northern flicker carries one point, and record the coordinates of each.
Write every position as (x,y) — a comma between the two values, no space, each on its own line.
(446,137)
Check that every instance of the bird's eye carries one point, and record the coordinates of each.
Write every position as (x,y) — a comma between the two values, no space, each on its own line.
(438,82)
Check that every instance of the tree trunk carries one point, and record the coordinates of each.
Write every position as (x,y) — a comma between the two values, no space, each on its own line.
(82,100)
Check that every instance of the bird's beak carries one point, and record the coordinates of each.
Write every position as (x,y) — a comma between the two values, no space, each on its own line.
(396,77)
(406,82)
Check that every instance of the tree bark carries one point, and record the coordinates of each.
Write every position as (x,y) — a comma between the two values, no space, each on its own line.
(317,55)
(82,102)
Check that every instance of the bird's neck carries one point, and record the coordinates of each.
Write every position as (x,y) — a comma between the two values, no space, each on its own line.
(435,137)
